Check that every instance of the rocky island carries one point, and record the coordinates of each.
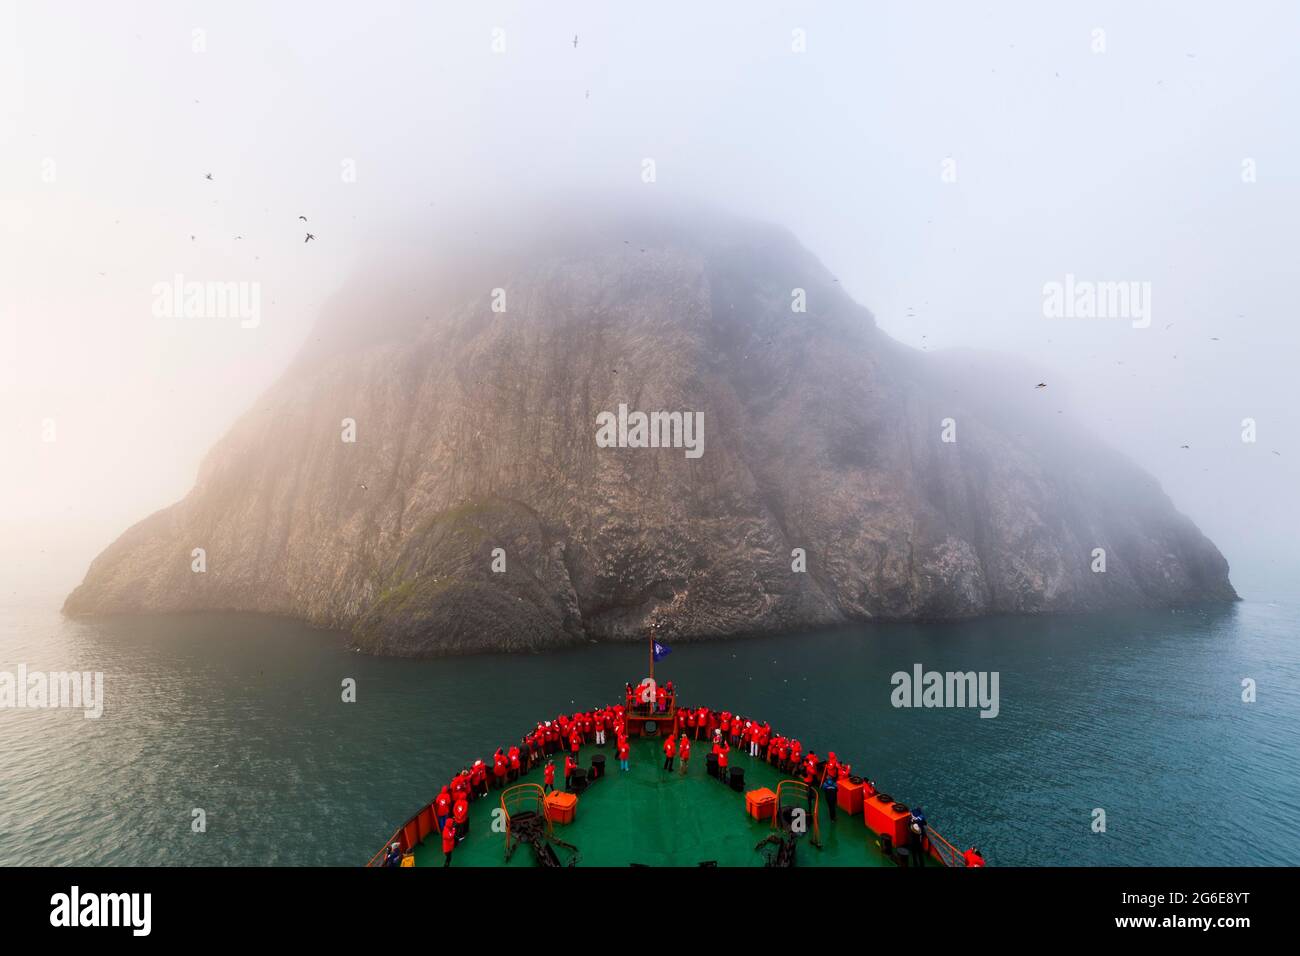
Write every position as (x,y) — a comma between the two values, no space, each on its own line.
(450,464)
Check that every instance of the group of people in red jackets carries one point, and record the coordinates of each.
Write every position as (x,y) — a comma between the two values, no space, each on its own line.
(730,731)
(650,698)
(568,733)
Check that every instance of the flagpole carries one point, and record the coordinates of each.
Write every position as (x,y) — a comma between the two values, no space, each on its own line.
(652,655)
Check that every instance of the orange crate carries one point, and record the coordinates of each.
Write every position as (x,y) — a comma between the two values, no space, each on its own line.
(881,818)
(760,803)
(848,796)
(561,807)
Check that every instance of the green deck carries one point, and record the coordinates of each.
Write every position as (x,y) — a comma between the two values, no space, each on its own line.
(649,816)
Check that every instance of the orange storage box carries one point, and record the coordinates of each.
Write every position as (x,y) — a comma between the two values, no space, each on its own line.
(760,804)
(882,818)
(561,807)
(848,796)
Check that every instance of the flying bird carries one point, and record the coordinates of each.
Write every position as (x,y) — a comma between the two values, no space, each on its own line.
(309,238)
(208,176)
(575,41)
(1041,385)
(303,218)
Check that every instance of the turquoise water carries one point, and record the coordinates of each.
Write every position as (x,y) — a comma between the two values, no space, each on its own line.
(1136,713)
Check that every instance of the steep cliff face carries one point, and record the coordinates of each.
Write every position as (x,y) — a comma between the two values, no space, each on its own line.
(476,431)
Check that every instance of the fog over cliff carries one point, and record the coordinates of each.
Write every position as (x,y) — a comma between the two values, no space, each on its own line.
(921,172)
(438,471)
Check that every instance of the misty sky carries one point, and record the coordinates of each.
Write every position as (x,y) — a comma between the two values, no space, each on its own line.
(1123,165)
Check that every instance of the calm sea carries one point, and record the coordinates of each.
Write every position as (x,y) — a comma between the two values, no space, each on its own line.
(1139,714)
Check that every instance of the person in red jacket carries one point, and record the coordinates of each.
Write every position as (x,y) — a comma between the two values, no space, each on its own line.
(684,751)
(460,814)
(442,807)
(832,768)
(810,770)
(623,752)
(670,751)
(570,765)
(448,841)
(600,728)
(721,748)
(972,857)
(499,766)
(548,779)
(575,741)
(478,784)
(513,756)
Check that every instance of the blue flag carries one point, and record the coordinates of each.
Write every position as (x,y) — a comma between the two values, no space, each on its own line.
(661,651)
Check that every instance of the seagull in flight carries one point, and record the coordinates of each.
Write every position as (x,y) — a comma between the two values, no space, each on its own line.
(208,176)
(575,41)
(1039,385)
(303,218)
(309,238)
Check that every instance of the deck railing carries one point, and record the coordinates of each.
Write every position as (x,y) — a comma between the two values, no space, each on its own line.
(943,851)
